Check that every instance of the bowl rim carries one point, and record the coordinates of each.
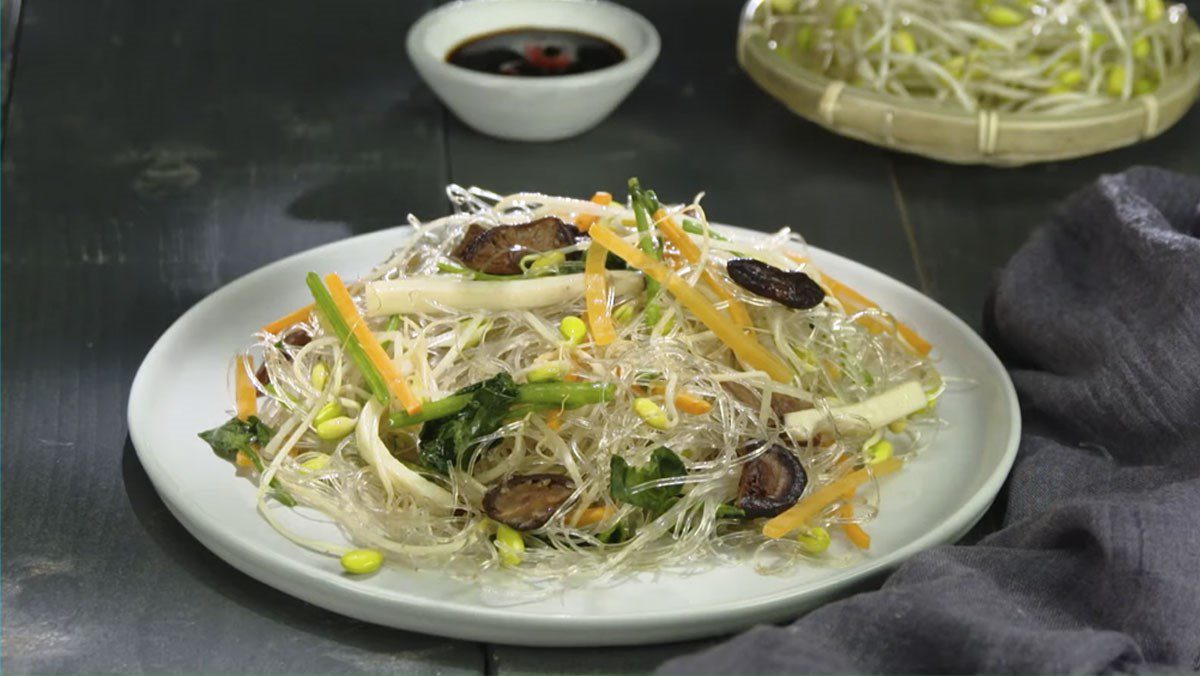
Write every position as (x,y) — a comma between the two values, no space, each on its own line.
(633,66)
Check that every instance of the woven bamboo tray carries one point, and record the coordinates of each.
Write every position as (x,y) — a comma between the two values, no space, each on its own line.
(954,135)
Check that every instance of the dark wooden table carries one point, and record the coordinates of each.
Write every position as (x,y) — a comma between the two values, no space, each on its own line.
(153,151)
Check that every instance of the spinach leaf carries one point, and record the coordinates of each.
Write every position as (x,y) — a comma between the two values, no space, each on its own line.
(450,441)
(245,436)
(624,478)
(236,435)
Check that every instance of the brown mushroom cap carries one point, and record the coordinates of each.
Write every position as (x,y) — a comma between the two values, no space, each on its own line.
(771,483)
(499,250)
(527,501)
(789,287)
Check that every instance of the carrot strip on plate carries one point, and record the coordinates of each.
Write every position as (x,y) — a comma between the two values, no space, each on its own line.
(799,514)
(585,221)
(857,536)
(676,236)
(591,515)
(244,393)
(746,347)
(595,293)
(289,320)
(397,385)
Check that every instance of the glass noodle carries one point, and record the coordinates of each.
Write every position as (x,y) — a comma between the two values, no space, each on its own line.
(836,360)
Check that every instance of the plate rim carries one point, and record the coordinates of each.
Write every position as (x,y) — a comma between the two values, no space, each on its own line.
(447,618)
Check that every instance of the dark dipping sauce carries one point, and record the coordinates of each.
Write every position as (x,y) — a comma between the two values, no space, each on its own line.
(535,52)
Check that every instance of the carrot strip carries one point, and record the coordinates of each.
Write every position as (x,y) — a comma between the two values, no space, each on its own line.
(692,404)
(798,514)
(688,403)
(591,515)
(242,460)
(857,536)
(289,320)
(681,240)
(595,294)
(244,393)
(585,221)
(746,347)
(554,419)
(855,301)
(397,385)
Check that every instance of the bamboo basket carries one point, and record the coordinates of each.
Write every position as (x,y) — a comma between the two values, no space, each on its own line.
(953,135)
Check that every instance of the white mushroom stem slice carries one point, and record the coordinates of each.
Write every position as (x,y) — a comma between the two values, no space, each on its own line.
(436,294)
(392,473)
(869,414)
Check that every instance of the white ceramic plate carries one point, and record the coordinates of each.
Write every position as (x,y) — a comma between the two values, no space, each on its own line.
(181,389)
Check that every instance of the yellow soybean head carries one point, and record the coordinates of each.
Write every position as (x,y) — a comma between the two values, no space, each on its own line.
(572,329)
(336,428)
(1071,77)
(510,545)
(1114,82)
(804,36)
(1097,40)
(362,561)
(1141,48)
(315,464)
(548,372)
(879,451)
(956,66)
(320,376)
(813,540)
(1153,10)
(783,6)
(1002,16)
(898,426)
(904,42)
(846,17)
(623,313)
(650,413)
(547,262)
(328,412)
(1144,85)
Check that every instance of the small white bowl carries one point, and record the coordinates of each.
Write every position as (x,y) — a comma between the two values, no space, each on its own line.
(531,108)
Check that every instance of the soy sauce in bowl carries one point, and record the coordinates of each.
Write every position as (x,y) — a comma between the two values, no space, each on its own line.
(536,52)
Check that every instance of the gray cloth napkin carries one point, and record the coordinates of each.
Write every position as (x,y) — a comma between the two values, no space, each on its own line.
(1097,567)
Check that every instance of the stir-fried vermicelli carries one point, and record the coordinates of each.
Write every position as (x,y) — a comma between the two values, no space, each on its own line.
(561,386)
(1052,56)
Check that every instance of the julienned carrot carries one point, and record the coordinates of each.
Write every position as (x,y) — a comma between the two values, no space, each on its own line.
(595,294)
(396,384)
(688,403)
(691,252)
(591,515)
(289,320)
(554,419)
(585,221)
(857,536)
(244,394)
(746,347)
(855,302)
(799,514)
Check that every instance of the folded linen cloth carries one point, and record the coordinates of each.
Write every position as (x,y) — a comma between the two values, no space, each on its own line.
(1097,566)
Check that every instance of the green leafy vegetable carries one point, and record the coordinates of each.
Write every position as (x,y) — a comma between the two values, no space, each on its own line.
(624,480)
(246,436)
(618,532)
(452,440)
(530,397)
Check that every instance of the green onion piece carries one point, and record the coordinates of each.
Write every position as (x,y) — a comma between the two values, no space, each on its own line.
(431,410)
(569,395)
(641,214)
(392,325)
(334,320)
(697,228)
(281,495)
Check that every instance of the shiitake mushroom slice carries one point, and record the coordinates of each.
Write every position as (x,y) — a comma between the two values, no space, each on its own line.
(527,501)
(770,483)
(789,287)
